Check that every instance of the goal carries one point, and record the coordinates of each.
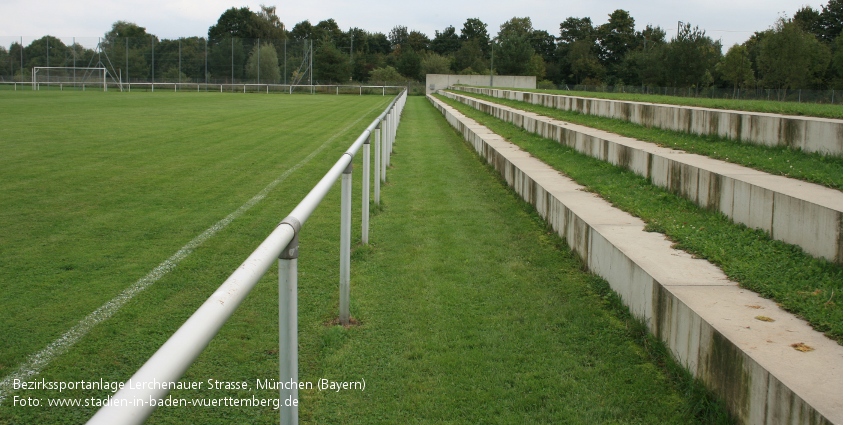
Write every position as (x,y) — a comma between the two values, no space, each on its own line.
(77,77)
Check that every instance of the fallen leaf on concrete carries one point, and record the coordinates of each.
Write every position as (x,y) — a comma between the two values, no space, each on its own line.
(764,319)
(800,346)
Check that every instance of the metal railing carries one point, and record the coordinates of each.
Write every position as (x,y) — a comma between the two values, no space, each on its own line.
(209,87)
(151,382)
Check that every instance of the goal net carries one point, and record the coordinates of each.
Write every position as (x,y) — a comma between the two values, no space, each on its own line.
(69,76)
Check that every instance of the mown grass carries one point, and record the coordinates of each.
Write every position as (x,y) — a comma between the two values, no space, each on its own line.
(471,311)
(468,309)
(822,110)
(100,188)
(825,170)
(809,287)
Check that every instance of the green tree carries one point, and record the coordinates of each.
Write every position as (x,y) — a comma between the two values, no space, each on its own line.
(418,41)
(616,38)
(433,63)
(46,51)
(330,65)
(836,64)
(790,58)
(226,58)
(378,43)
(648,65)
(830,22)
(447,42)
(239,23)
(809,20)
(409,64)
(5,64)
(692,58)
(475,29)
(735,67)
(128,47)
(578,51)
(584,63)
(302,31)
(513,51)
(398,37)
(270,26)
(470,57)
(263,64)
(328,30)
(386,75)
(122,30)
(576,29)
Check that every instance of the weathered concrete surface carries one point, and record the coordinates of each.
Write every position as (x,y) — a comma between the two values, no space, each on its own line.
(705,319)
(434,82)
(809,134)
(789,210)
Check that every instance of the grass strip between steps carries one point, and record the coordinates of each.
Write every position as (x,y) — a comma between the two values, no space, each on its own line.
(806,286)
(815,168)
(823,110)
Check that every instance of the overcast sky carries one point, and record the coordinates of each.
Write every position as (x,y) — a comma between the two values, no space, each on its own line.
(732,21)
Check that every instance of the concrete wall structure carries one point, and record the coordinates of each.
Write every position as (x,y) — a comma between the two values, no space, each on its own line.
(434,82)
(810,134)
(706,320)
(790,210)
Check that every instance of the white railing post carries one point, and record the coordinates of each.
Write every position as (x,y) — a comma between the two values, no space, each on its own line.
(389,137)
(377,167)
(384,149)
(365,194)
(288,332)
(392,132)
(345,240)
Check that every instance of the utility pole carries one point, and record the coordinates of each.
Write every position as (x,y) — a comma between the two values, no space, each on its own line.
(492,43)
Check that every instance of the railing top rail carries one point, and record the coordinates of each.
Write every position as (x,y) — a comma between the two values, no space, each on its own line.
(169,363)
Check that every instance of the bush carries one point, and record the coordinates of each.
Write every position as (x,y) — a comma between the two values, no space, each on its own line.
(546,85)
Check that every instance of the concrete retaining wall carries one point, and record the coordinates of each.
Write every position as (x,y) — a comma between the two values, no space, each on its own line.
(434,82)
(789,210)
(705,319)
(809,134)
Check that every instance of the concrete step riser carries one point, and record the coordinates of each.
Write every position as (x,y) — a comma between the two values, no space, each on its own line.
(817,229)
(706,320)
(806,133)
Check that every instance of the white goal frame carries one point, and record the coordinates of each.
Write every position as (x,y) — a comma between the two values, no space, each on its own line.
(85,70)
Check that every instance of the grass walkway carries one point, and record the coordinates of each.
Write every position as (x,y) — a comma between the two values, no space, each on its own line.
(471,312)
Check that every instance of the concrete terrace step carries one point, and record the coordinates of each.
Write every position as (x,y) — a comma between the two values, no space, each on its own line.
(810,134)
(793,211)
(705,319)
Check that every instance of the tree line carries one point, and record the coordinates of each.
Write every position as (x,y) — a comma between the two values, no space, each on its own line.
(803,51)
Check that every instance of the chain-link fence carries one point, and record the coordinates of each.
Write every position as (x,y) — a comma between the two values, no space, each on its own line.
(193,63)
(150,60)
(784,95)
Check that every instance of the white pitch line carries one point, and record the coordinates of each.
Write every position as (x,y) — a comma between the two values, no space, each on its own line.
(35,363)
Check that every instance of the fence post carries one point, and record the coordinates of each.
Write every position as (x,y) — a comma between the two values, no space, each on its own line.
(377,166)
(391,122)
(345,239)
(385,146)
(288,322)
(365,194)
